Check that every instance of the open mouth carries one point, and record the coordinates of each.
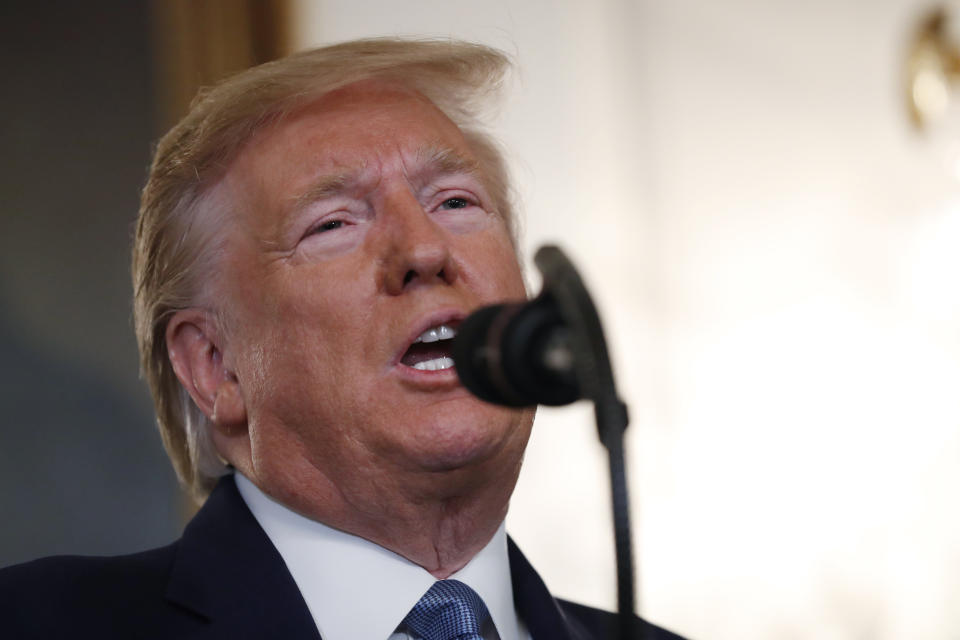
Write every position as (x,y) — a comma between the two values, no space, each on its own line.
(431,351)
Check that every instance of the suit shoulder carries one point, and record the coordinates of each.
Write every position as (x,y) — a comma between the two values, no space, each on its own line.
(40,596)
(71,572)
(603,624)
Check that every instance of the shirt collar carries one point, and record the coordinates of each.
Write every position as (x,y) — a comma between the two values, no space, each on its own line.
(341,575)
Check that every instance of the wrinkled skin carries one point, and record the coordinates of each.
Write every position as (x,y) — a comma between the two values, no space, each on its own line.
(359,221)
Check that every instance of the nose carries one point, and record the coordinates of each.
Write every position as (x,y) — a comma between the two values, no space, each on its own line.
(413,250)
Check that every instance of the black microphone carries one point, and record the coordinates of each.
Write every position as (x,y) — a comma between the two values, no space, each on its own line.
(551,350)
(517,354)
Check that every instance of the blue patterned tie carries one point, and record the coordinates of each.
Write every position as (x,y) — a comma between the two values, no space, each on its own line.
(450,610)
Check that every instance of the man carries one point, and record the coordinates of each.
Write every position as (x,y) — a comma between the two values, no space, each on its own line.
(309,238)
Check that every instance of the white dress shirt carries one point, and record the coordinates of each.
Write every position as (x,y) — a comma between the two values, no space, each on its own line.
(357,590)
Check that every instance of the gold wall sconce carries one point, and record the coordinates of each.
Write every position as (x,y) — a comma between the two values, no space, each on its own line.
(933,69)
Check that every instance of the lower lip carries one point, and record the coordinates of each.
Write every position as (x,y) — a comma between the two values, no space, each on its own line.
(440,379)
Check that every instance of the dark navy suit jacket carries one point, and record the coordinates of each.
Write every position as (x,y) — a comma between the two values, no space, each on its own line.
(223,579)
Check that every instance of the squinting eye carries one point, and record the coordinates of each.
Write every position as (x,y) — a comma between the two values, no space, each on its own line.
(455,203)
(329,225)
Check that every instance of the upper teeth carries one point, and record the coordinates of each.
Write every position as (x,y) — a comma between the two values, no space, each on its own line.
(433,334)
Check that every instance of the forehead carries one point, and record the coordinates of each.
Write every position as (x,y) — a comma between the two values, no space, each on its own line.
(357,123)
(359,132)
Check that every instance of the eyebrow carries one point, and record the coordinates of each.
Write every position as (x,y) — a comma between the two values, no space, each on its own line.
(431,160)
(446,161)
(324,187)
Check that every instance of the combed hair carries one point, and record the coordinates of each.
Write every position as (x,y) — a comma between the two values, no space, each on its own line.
(174,252)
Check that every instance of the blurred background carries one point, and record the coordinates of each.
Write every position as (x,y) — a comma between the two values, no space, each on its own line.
(764,198)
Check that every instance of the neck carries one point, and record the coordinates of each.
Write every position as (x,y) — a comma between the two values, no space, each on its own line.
(436,519)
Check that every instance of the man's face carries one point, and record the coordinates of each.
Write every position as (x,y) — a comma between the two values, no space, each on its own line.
(362,221)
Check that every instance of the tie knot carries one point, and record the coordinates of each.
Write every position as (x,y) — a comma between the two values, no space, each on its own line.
(449,610)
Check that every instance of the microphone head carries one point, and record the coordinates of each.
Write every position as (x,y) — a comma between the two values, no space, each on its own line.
(474,356)
(517,355)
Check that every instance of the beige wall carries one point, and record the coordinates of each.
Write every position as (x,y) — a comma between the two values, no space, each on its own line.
(775,255)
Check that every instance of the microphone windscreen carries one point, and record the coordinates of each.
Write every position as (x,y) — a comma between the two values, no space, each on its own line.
(476,354)
(506,354)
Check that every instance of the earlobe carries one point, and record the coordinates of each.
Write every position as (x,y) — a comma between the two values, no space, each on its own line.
(195,350)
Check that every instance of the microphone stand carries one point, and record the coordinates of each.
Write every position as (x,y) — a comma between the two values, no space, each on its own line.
(595,377)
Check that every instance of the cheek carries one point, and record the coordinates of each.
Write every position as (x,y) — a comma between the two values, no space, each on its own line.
(270,324)
(495,267)
(314,299)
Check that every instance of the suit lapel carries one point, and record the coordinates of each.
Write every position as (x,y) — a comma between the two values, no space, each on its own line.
(227,571)
(539,610)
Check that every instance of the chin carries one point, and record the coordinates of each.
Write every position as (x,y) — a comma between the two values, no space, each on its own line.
(463,436)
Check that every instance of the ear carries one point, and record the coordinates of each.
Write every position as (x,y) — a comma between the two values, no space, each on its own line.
(196,353)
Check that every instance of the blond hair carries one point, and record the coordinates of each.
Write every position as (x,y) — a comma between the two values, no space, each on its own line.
(173,252)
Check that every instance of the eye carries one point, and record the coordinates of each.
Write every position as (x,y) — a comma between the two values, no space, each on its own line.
(329,225)
(455,203)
